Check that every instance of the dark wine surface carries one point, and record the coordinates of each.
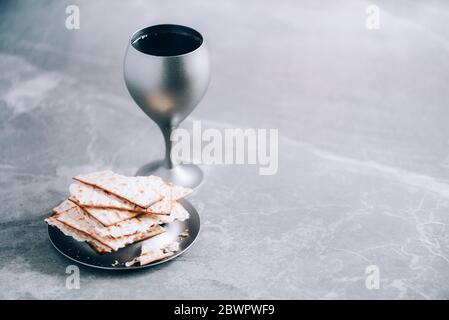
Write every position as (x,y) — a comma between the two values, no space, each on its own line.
(167,43)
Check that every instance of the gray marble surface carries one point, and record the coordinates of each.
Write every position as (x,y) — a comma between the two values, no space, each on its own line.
(363,146)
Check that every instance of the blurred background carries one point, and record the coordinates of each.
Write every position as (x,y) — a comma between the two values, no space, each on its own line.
(363,154)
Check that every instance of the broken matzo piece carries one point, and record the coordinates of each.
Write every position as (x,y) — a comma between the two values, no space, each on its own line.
(139,224)
(63,206)
(78,235)
(109,217)
(88,196)
(78,219)
(141,191)
(154,252)
(142,222)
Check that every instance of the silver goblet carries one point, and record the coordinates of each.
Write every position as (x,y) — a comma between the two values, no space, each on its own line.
(167,72)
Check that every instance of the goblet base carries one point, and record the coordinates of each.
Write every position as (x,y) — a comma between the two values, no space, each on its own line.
(186,175)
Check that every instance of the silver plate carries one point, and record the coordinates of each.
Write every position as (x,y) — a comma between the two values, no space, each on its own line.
(82,253)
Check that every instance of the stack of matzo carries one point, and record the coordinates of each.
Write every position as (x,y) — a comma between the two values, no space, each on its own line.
(110,211)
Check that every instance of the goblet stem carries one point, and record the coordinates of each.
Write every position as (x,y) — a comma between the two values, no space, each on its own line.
(166,132)
(186,175)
